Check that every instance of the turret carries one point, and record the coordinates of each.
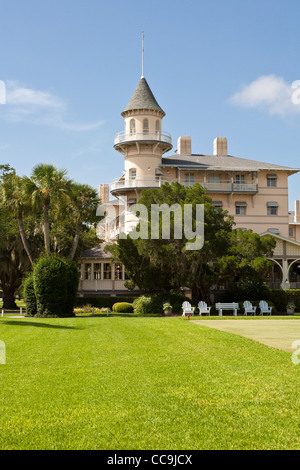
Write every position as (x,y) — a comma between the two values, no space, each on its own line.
(142,142)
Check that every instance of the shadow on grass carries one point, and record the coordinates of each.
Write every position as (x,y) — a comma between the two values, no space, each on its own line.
(37,324)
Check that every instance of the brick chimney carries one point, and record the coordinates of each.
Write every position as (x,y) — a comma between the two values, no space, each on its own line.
(184,145)
(104,193)
(220,146)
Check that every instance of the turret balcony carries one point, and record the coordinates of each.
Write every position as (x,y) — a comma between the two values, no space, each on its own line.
(157,136)
(143,183)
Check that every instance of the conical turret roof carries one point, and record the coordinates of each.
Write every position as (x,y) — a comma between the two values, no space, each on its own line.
(143,98)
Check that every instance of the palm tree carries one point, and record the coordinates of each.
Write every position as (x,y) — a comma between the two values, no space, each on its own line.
(82,207)
(13,196)
(47,184)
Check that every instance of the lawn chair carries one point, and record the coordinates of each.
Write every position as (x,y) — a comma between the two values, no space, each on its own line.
(203,308)
(187,309)
(264,308)
(249,308)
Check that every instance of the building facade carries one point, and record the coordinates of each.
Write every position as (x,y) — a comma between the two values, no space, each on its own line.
(254,192)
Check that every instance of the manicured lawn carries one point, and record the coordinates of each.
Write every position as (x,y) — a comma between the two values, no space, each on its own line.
(143,383)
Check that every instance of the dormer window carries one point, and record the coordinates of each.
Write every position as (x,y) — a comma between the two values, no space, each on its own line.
(146,126)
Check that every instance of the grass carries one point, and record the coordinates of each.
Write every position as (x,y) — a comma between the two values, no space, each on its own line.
(143,383)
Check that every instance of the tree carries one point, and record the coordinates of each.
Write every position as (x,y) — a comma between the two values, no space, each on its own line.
(162,264)
(81,205)
(47,184)
(13,196)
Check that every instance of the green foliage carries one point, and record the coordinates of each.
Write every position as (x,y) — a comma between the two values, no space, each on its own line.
(122,307)
(55,286)
(153,304)
(29,295)
(102,302)
(281,298)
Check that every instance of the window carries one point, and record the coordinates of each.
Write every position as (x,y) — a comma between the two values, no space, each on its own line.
(240,179)
(79,270)
(97,270)
(291,231)
(132,173)
(272,208)
(88,271)
(132,126)
(189,179)
(107,271)
(157,127)
(217,205)
(145,126)
(240,208)
(118,271)
(214,178)
(271,181)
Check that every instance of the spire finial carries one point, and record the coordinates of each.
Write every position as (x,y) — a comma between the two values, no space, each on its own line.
(142,54)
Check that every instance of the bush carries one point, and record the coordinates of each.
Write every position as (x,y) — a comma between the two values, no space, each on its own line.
(55,286)
(29,296)
(153,304)
(122,307)
(102,302)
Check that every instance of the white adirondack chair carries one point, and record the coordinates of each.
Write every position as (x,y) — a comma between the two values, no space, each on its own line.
(203,308)
(249,308)
(187,309)
(264,307)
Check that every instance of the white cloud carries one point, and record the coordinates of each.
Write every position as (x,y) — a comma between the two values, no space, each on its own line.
(38,107)
(268,93)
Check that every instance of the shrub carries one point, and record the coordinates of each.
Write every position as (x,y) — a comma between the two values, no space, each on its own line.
(122,307)
(55,286)
(153,304)
(102,302)
(29,295)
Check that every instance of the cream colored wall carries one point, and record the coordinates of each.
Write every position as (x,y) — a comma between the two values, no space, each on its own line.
(139,122)
(256,217)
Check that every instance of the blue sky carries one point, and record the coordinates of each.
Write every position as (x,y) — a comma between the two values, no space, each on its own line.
(217,68)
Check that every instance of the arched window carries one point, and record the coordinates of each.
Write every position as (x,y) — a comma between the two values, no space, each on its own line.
(132,126)
(157,127)
(145,126)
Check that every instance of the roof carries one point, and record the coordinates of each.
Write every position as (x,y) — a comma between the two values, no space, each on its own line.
(221,163)
(143,98)
(97,252)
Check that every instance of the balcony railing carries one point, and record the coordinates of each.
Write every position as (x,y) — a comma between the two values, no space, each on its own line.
(228,187)
(123,137)
(137,183)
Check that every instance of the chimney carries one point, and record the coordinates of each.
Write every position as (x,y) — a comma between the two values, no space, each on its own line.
(184,145)
(297,212)
(104,193)
(220,146)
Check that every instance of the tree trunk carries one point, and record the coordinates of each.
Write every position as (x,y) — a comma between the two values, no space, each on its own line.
(46,229)
(24,238)
(75,242)
(9,297)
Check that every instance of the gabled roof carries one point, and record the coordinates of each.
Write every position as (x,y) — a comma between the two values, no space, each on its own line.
(97,252)
(143,98)
(221,163)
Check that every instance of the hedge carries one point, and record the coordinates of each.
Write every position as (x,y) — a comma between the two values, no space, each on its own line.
(29,295)
(122,307)
(153,304)
(102,302)
(51,289)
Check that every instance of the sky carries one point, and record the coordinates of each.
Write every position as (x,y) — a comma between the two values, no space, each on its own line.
(217,68)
